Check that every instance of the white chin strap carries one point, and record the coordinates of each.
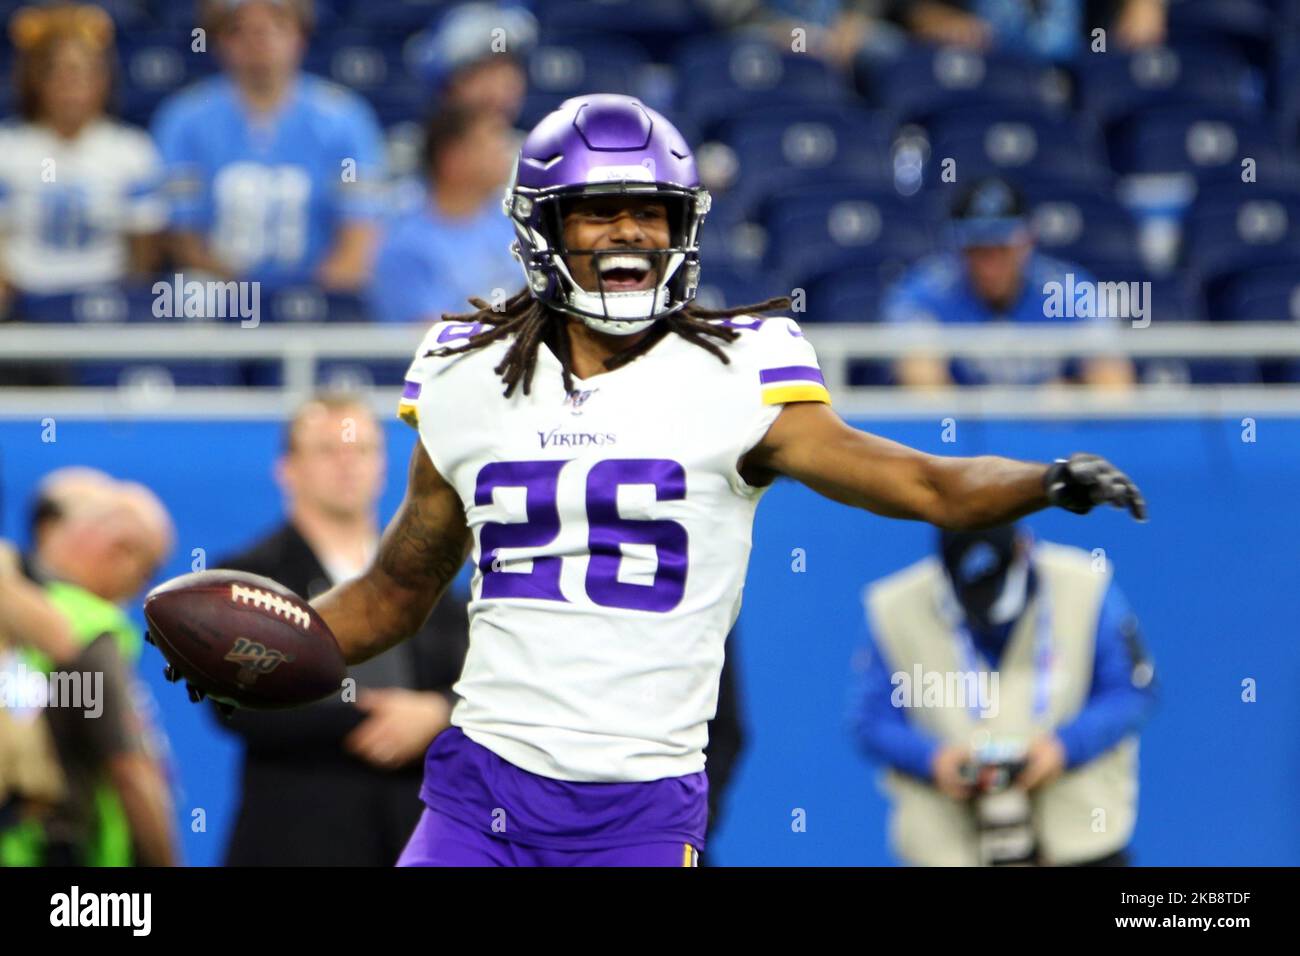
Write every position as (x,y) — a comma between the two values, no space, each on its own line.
(627,311)
(619,313)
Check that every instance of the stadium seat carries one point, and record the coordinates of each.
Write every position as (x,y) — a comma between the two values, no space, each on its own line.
(1084,227)
(559,71)
(724,285)
(741,199)
(113,305)
(1115,84)
(927,80)
(1006,141)
(723,76)
(1260,294)
(807,234)
(371,63)
(661,25)
(844,295)
(404,15)
(811,138)
(153,67)
(1227,232)
(1206,143)
(1243,26)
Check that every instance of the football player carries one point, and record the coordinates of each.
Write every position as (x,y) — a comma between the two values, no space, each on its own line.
(598,443)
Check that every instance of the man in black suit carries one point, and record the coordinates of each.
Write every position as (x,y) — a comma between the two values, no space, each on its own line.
(337,783)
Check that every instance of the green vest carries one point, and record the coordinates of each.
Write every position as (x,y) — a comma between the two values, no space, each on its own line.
(90,616)
(1089,811)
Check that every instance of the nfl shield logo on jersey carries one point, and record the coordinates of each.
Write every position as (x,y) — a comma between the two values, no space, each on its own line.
(578,397)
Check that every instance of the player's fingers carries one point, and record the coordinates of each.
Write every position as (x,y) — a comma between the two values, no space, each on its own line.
(1137,505)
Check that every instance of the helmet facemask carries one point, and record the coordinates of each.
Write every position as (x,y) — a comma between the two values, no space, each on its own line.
(538,216)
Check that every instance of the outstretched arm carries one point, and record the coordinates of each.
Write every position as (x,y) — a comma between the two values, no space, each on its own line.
(422,550)
(813,445)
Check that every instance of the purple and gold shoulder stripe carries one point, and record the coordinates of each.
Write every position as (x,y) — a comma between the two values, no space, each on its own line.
(793,383)
(408,406)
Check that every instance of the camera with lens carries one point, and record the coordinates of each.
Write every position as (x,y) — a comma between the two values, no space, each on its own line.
(1003,818)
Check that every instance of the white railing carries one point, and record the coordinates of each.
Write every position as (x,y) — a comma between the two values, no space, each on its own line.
(301,347)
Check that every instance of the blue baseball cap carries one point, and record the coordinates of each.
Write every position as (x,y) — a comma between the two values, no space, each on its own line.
(991,212)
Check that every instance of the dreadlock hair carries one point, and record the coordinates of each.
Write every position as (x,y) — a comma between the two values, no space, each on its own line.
(531,322)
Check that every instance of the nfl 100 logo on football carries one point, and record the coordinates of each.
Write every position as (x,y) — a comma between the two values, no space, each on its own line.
(255,659)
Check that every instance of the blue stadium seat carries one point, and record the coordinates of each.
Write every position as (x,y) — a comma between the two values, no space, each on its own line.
(1256,294)
(311,304)
(1260,294)
(1007,141)
(154,65)
(662,25)
(844,295)
(1207,143)
(1115,84)
(811,138)
(1228,232)
(404,15)
(723,284)
(808,235)
(159,375)
(1086,227)
(723,75)
(1243,26)
(927,80)
(113,305)
(361,59)
(560,71)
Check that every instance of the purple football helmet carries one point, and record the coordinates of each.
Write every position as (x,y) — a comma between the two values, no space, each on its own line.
(599,145)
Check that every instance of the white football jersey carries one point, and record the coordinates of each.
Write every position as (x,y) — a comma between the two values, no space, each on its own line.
(611,539)
(68,206)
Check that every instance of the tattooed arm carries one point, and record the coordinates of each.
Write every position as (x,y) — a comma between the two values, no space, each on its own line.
(422,550)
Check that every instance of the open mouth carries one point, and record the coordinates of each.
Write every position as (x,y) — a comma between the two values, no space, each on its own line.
(625,273)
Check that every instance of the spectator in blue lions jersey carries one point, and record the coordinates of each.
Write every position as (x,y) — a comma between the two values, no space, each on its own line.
(274,173)
(993,275)
(455,243)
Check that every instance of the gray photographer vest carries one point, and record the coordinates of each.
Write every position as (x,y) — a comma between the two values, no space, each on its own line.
(1086,813)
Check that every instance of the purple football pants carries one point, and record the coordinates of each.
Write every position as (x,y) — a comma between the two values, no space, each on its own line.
(439,840)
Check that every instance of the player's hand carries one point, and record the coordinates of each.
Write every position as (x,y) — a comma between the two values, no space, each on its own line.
(946,771)
(1044,762)
(399,727)
(1083,481)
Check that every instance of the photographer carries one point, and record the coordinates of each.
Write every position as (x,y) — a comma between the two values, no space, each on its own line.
(1003,685)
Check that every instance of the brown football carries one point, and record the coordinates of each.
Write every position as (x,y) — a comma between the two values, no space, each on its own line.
(243,640)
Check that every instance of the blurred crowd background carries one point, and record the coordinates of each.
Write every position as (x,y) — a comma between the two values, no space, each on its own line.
(349,156)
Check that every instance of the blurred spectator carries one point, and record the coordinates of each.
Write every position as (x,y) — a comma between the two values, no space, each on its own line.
(474,57)
(1003,685)
(994,275)
(79,192)
(456,242)
(1049,29)
(835,31)
(274,174)
(97,544)
(337,783)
